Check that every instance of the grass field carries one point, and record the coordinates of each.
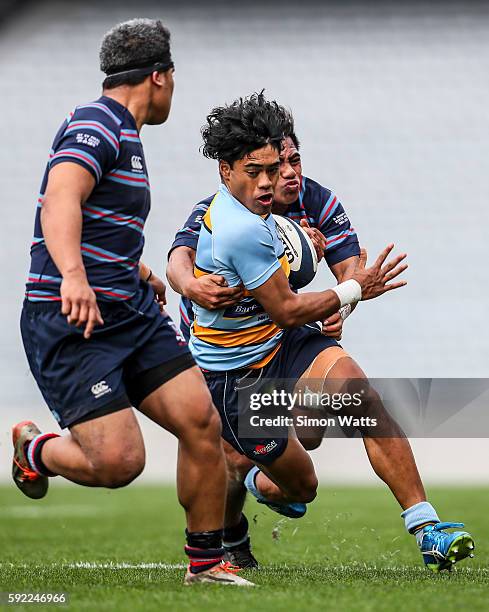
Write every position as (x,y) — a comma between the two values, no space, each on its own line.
(122,550)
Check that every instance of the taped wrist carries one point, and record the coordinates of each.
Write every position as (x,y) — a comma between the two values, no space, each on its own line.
(349,292)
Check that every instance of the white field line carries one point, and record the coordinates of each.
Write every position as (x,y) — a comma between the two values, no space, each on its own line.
(89,565)
(94,565)
(121,566)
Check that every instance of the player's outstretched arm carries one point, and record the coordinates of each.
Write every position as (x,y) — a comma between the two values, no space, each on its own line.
(210,291)
(289,309)
(68,188)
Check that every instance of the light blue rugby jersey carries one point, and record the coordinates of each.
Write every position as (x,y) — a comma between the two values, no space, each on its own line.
(245,249)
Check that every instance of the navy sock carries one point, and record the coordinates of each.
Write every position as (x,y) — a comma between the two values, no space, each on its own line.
(33,453)
(238,534)
(204,549)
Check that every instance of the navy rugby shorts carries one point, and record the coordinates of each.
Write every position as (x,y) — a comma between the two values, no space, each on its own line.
(136,351)
(300,346)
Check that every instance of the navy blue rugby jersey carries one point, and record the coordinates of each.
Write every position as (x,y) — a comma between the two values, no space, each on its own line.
(317,204)
(102,137)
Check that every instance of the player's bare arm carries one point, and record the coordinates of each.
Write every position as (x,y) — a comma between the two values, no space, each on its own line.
(68,188)
(210,291)
(289,309)
(148,276)
(343,269)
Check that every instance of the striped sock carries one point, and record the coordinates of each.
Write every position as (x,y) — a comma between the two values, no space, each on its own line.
(201,559)
(33,453)
(204,549)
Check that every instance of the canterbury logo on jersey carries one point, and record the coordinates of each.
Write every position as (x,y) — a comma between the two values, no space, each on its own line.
(137,163)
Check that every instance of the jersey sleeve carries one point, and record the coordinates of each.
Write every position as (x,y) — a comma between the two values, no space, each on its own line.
(334,224)
(250,252)
(189,234)
(91,139)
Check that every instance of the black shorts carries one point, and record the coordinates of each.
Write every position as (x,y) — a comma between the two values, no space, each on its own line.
(136,351)
(299,348)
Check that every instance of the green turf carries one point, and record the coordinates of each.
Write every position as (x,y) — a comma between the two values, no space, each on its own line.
(350,552)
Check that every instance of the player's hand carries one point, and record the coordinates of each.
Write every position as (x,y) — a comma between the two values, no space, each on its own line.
(159,289)
(318,240)
(212,292)
(376,280)
(79,303)
(333,326)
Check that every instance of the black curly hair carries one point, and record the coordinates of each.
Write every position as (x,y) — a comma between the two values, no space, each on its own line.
(250,123)
(142,44)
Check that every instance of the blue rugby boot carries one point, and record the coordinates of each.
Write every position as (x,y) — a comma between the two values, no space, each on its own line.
(442,549)
(292,510)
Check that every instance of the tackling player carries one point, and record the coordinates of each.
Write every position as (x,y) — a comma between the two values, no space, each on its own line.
(239,243)
(95,339)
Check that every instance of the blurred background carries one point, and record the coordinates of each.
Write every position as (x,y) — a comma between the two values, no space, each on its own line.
(391,101)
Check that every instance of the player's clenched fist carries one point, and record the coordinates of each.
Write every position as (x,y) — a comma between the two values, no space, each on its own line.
(375,280)
(79,303)
(333,326)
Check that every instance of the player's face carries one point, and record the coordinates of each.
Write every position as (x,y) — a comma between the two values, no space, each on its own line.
(252,179)
(162,97)
(288,185)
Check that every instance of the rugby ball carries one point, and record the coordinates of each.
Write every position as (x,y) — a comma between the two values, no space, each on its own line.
(299,250)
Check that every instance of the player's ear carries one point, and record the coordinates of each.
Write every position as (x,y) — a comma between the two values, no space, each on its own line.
(224,169)
(156,78)
(160,78)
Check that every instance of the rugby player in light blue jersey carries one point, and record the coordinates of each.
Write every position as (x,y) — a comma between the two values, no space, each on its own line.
(238,242)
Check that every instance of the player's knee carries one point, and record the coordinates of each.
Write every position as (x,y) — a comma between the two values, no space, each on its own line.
(311,443)
(309,489)
(125,473)
(366,400)
(371,405)
(204,421)
(118,469)
(211,428)
(305,489)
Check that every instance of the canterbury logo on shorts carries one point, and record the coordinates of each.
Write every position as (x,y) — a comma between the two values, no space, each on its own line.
(100,388)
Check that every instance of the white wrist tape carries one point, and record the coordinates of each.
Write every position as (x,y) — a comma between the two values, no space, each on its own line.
(345,311)
(349,292)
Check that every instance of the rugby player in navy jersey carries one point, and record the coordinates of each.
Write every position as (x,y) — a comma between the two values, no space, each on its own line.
(238,250)
(96,341)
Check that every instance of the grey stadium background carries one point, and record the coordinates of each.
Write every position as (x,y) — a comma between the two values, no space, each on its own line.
(391,102)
